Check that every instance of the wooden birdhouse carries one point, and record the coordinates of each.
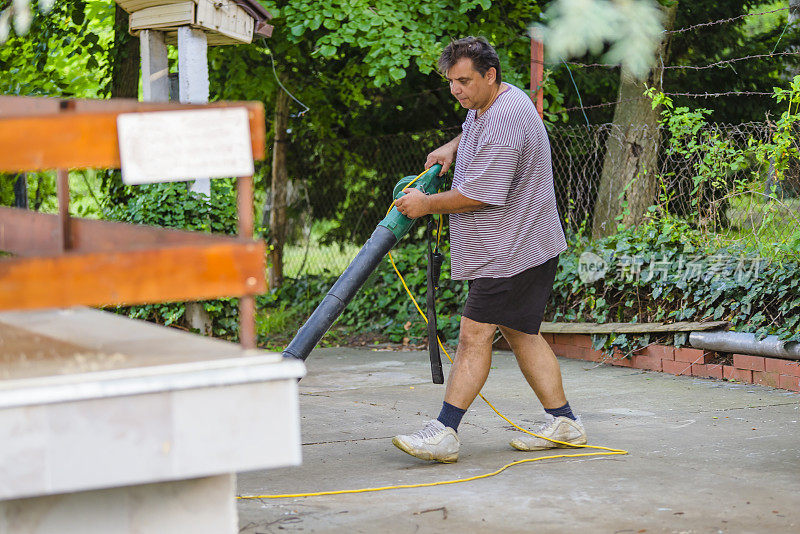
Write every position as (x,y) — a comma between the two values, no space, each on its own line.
(223,21)
(192,25)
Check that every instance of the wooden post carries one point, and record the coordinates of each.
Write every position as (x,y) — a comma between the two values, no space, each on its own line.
(277,216)
(794,15)
(244,189)
(62,190)
(155,66)
(537,74)
(247,303)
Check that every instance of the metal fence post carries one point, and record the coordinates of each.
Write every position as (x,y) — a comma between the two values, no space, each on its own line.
(537,73)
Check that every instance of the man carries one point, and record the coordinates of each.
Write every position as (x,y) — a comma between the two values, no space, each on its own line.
(505,237)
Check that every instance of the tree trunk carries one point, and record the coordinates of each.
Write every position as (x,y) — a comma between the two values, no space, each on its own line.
(124,83)
(794,17)
(21,191)
(628,184)
(37,197)
(277,217)
(124,59)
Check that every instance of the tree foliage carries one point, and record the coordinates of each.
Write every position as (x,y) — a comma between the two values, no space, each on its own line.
(751,35)
(365,70)
(65,53)
(630,30)
(389,34)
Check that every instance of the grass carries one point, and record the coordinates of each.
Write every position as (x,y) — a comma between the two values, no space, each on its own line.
(320,258)
(276,327)
(770,228)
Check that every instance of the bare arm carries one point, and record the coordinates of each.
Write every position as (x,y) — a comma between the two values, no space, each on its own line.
(416,204)
(444,155)
(452,202)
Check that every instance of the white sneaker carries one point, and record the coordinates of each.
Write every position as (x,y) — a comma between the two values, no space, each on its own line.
(434,442)
(557,428)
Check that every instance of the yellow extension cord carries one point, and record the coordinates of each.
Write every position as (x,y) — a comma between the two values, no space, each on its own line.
(609,450)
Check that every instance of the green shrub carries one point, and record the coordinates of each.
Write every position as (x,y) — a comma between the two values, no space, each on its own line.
(172,205)
(754,294)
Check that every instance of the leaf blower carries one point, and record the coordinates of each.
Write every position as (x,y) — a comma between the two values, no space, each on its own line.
(386,235)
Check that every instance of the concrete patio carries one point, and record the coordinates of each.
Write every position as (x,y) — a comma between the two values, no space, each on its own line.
(705,455)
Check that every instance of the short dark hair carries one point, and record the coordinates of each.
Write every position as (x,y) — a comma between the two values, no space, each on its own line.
(477,49)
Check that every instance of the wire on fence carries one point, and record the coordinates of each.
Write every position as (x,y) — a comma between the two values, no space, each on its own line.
(604,104)
(729,61)
(722,63)
(727,93)
(723,21)
(688,95)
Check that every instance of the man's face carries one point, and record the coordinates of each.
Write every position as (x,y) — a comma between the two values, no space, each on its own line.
(472,90)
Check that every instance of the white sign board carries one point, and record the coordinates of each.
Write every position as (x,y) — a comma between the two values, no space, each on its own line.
(166,146)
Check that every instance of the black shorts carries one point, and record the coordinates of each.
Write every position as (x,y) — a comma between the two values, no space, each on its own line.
(516,302)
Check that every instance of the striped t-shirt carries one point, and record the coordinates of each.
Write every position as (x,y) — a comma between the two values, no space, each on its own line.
(503,160)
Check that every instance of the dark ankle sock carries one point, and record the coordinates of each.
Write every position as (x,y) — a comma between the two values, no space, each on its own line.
(564,411)
(451,415)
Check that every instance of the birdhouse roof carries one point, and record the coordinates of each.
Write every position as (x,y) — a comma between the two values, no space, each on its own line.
(259,13)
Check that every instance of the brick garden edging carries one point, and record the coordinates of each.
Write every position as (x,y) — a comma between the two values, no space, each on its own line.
(748,369)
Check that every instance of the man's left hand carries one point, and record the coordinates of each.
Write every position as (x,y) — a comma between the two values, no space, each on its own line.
(413,204)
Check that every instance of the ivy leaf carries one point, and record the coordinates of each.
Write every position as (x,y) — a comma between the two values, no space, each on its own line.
(78,15)
(657,291)
(397,73)
(327,50)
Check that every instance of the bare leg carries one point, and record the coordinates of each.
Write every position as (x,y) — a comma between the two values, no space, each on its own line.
(539,365)
(472,362)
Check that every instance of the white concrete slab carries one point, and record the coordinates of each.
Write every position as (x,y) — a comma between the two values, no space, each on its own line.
(706,456)
(198,506)
(91,401)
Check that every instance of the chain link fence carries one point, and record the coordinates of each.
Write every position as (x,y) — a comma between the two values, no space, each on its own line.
(712,179)
(725,193)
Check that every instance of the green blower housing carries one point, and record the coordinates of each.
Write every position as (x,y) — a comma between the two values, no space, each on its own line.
(429,183)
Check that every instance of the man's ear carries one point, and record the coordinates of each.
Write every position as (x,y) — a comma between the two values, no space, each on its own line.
(491,75)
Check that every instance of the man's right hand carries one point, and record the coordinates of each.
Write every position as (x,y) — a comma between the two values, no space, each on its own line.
(444,155)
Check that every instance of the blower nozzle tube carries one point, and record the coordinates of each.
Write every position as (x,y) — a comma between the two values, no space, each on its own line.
(342,292)
(389,231)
